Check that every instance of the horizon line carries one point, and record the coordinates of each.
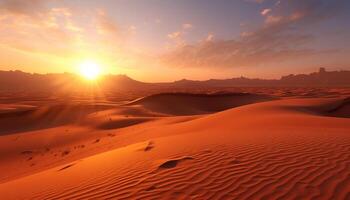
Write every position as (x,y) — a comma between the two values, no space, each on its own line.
(110,74)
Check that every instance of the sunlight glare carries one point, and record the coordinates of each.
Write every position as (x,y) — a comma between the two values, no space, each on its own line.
(90,70)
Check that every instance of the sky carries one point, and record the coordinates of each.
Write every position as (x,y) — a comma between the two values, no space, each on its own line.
(166,40)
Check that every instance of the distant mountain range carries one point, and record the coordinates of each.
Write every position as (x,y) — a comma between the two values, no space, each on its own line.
(322,78)
(14,81)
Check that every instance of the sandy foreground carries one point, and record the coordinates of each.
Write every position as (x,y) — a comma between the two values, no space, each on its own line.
(177,147)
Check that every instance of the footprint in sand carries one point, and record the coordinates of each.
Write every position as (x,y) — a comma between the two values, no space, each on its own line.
(146,146)
(110,134)
(96,141)
(66,152)
(174,162)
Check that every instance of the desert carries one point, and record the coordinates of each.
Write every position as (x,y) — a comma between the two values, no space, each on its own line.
(178,146)
(165,99)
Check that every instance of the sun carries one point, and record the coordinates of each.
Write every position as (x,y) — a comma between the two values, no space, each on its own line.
(90,70)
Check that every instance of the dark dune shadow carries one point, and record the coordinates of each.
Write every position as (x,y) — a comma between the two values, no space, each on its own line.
(44,117)
(336,108)
(192,104)
(342,109)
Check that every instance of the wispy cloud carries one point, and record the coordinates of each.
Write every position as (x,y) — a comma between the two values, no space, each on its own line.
(105,24)
(35,26)
(29,8)
(279,38)
(31,26)
(177,37)
(210,37)
(265,11)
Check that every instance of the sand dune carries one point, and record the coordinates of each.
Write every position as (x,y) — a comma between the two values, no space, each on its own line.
(23,118)
(40,117)
(283,149)
(191,104)
(332,107)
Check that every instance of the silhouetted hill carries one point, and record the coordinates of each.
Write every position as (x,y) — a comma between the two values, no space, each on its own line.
(320,78)
(242,81)
(317,79)
(65,82)
(13,81)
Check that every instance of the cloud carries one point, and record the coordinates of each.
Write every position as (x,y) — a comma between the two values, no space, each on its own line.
(42,27)
(280,38)
(210,37)
(265,11)
(19,7)
(177,37)
(174,35)
(32,27)
(309,11)
(105,24)
(271,19)
(246,51)
(48,30)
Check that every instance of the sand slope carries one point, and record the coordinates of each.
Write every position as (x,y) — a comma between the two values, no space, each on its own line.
(40,117)
(283,149)
(191,104)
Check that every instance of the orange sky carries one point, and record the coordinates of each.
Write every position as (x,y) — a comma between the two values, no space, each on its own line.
(166,41)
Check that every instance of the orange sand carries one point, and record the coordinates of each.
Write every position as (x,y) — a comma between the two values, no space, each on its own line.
(277,149)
